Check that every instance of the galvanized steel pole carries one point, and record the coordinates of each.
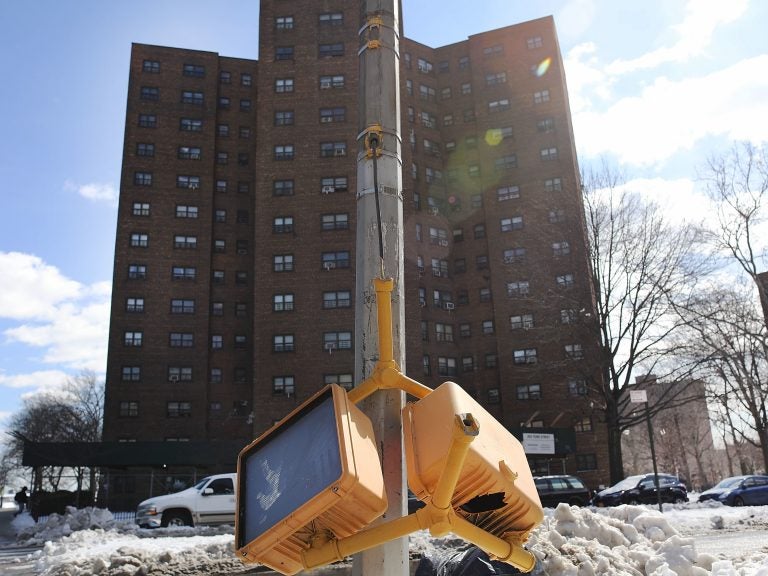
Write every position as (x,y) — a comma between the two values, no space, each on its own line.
(380,230)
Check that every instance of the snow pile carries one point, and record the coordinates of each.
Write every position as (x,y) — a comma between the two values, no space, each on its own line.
(572,541)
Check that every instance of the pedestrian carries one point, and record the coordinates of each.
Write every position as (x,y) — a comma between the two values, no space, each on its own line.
(21,499)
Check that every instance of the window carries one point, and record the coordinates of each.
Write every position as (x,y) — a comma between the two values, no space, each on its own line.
(443,66)
(478,231)
(328,82)
(495,78)
(246,79)
(548,154)
(534,42)
(189,153)
(282,188)
(473,171)
(140,209)
(514,255)
(448,120)
(330,50)
(467,364)
(525,356)
(133,338)
(222,130)
(217,308)
(283,23)
(338,114)
(179,306)
(491,360)
(149,93)
(282,224)
(561,248)
(524,321)
(557,215)
(183,273)
(330,149)
(241,343)
(409,87)
(331,184)
(142,178)
(185,242)
(181,339)
(180,374)
(191,125)
(517,289)
(224,103)
(513,223)
(331,260)
(541,97)
(481,262)
(445,93)
(469,115)
(242,245)
(331,19)
(243,186)
(283,52)
(505,163)
(241,277)
(545,125)
(507,193)
(446,366)
(282,302)
(144,149)
(427,93)
(139,240)
(283,152)
(282,263)
(186,181)
(463,62)
(425,365)
(147,120)
(178,409)
(193,70)
(222,157)
(335,221)
(225,77)
(577,387)
(553,185)
(586,462)
(439,267)
(443,332)
(498,105)
(129,409)
(529,392)
(135,305)
(183,211)
(487,327)
(217,341)
(424,66)
(245,104)
(216,376)
(131,373)
(284,118)
(283,85)
(583,425)
(343,380)
(494,50)
(465,330)
(283,385)
(137,271)
(241,309)
(337,341)
(150,66)
(282,343)
(568,316)
(191,97)
(574,351)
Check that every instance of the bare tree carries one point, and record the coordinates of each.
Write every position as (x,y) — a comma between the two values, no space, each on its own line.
(641,264)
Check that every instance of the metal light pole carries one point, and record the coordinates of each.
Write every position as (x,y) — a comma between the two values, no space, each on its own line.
(379,254)
(639,396)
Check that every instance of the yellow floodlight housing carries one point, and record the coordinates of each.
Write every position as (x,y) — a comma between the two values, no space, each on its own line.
(312,477)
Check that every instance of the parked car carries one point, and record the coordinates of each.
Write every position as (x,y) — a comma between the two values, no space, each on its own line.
(210,501)
(562,488)
(739,491)
(414,503)
(641,489)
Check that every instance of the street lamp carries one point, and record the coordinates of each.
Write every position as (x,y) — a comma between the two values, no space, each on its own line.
(641,397)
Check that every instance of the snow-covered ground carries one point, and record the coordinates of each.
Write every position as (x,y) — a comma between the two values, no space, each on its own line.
(627,540)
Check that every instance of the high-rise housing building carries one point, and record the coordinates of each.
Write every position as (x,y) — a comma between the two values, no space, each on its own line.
(234,281)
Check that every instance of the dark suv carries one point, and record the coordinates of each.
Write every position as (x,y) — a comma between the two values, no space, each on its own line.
(642,490)
(556,489)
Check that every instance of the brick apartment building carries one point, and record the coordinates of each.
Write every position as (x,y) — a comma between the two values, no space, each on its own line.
(234,281)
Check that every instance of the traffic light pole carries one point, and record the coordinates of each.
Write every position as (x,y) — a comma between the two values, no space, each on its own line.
(379,253)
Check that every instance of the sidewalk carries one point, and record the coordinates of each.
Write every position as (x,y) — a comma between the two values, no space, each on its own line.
(7,533)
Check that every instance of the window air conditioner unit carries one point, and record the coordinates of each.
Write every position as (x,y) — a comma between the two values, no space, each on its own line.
(423,304)
(443,242)
(339,152)
(449,306)
(434,211)
(328,190)
(173,378)
(329,265)
(330,346)
(195,156)
(436,273)
(509,260)
(194,186)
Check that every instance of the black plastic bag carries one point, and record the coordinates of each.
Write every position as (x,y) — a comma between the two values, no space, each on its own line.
(470,562)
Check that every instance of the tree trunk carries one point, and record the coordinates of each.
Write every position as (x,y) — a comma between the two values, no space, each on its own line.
(615,461)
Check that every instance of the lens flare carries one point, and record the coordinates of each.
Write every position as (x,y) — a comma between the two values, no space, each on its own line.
(493,136)
(542,68)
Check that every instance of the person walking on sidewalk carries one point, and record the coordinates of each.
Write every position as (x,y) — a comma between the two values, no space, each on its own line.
(21,498)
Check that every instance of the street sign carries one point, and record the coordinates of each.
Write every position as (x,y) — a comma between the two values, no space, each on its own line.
(638,396)
(538,443)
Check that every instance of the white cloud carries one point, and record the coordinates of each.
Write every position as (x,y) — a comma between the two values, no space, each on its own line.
(31,289)
(96,191)
(574,18)
(669,116)
(702,17)
(38,379)
(679,198)
(67,320)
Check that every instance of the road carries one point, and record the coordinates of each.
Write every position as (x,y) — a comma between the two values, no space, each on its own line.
(733,544)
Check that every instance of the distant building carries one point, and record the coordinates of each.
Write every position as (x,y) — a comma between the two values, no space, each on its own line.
(682,433)
(233,290)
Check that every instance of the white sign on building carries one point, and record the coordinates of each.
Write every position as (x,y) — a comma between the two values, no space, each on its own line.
(538,443)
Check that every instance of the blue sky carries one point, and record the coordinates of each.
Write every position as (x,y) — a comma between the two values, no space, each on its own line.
(655,86)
